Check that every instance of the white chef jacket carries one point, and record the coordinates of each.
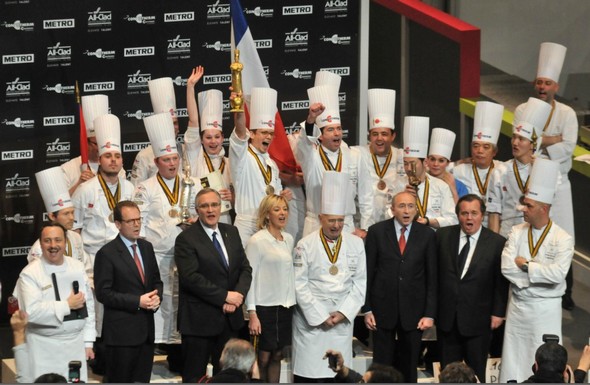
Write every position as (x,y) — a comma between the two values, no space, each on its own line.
(51,342)
(504,193)
(374,203)
(563,122)
(318,294)
(534,307)
(297,209)
(74,246)
(249,184)
(273,277)
(199,169)
(72,172)
(308,156)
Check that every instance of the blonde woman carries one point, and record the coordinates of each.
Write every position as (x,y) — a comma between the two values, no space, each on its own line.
(272,293)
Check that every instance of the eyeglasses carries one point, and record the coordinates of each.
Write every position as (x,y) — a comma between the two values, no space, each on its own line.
(213,205)
(132,221)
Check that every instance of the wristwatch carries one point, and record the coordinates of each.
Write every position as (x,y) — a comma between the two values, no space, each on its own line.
(525,267)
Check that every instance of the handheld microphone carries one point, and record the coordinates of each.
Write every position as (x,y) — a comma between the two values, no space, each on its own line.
(76,287)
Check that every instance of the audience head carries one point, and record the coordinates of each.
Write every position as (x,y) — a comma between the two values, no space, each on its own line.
(382,374)
(238,354)
(551,357)
(458,373)
(50,378)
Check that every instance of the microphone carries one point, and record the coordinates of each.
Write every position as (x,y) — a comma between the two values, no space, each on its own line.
(76,287)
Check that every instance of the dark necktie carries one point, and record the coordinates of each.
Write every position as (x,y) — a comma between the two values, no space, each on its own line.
(463,256)
(137,262)
(402,240)
(219,249)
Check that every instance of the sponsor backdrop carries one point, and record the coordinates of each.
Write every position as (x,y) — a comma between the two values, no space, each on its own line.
(114,48)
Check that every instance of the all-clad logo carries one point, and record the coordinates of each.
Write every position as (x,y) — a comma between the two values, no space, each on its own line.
(15,251)
(60,89)
(218,11)
(217,79)
(298,10)
(18,218)
(138,80)
(135,147)
(17,155)
(58,120)
(99,86)
(99,53)
(19,58)
(17,183)
(141,19)
(333,6)
(139,114)
(295,105)
(59,53)
(179,45)
(18,88)
(20,123)
(99,18)
(58,148)
(296,38)
(263,43)
(342,71)
(139,51)
(293,128)
(59,23)
(218,46)
(298,74)
(19,25)
(260,12)
(178,16)
(335,39)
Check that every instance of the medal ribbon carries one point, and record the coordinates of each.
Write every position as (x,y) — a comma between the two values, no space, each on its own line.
(381,171)
(518,179)
(535,249)
(112,200)
(422,207)
(68,252)
(326,161)
(482,188)
(210,164)
(172,198)
(332,255)
(550,116)
(266,174)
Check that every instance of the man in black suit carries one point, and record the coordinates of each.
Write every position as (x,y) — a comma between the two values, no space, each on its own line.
(128,284)
(214,276)
(472,291)
(401,286)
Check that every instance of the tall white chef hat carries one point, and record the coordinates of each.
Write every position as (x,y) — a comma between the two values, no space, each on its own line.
(533,119)
(54,190)
(162,95)
(108,134)
(328,96)
(327,78)
(442,142)
(551,57)
(263,108)
(211,109)
(335,192)
(543,180)
(160,130)
(416,136)
(487,122)
(381,103)
(94,106)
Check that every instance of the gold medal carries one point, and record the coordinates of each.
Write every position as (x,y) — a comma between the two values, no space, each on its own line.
(173,212)
(111,218)
(381,185)
(270,190)
(333,270)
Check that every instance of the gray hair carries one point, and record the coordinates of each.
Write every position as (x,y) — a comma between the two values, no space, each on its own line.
(238,354)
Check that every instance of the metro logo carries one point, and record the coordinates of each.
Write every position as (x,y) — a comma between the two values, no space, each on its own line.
(178,17)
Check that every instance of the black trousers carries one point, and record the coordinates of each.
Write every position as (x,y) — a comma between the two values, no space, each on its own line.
(402,352)
(126,364)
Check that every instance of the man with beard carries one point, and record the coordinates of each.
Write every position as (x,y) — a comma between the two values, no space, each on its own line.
(158,198)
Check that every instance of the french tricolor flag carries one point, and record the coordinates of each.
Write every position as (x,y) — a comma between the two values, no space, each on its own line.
(253,76)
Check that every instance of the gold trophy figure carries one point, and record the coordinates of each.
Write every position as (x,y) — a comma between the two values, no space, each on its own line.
(187,186)
(413,180)
(236,82)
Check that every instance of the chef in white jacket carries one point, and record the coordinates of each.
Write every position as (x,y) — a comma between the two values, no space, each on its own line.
(381,165)
(53,340)
(330,285)
(535,260)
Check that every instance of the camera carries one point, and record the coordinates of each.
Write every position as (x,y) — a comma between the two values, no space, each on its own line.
(332,361)
(74,371)
(551,338)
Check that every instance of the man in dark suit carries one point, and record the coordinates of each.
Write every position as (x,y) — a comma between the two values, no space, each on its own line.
(128,284)
(472,291)
(401,286)
(214,276)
